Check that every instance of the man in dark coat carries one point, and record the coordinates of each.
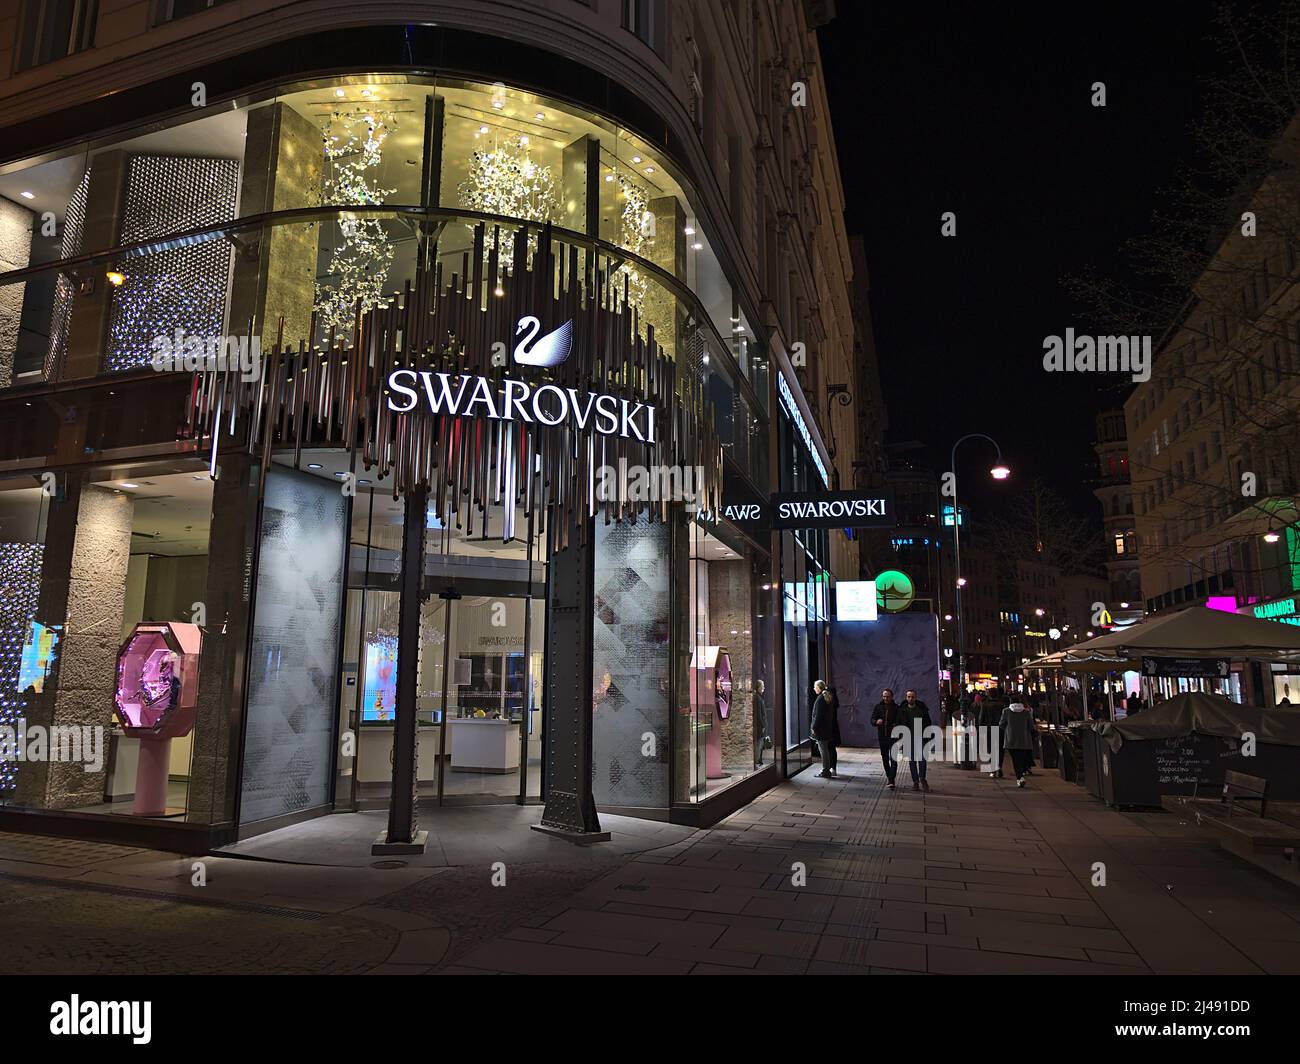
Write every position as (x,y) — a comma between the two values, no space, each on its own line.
(884,717)
(914,715)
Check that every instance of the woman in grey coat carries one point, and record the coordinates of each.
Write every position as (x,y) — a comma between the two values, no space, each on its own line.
(1017,728)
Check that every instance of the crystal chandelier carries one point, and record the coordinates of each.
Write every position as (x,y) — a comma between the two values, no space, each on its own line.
(359,265)
(508,182)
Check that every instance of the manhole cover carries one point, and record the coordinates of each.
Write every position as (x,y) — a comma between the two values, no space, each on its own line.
(387,864)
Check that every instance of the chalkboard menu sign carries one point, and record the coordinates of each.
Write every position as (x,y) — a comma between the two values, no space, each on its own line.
(1186,759)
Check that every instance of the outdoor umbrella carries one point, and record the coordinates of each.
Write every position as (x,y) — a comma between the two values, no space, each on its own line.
(1196,632)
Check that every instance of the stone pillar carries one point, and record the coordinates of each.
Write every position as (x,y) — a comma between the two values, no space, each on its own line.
(92,310)
(667,251)
(579,188)
(83,589)
(275,269)
(729,611)
(232,538)
(15,253)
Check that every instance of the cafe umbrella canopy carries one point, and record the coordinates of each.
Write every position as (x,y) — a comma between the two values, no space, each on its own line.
(1196,632)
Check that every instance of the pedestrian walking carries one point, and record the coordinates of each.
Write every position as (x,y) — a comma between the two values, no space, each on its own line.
(762,720)
(1017,728)
(914,715)
(824,727)
(884,717)
(987,720)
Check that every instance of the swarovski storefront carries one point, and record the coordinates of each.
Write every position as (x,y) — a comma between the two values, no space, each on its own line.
(270,352)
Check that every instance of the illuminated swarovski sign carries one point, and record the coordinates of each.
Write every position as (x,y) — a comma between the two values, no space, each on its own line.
(832,509)
(508,399)
(469,395)
(792,409)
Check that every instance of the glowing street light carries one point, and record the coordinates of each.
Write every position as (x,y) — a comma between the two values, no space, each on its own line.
(998,472)
(1271,537)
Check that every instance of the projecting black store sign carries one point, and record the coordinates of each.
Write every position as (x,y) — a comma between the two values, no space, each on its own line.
(832,509)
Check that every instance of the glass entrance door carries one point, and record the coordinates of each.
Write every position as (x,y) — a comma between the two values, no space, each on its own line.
(487,659)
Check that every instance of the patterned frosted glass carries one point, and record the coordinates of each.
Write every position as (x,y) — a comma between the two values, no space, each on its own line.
(293,682)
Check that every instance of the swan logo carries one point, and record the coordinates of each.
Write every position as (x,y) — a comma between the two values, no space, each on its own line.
(550,350)
(468,395)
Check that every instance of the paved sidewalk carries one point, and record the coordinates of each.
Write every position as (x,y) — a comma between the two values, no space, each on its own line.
(974,877)
(816,876)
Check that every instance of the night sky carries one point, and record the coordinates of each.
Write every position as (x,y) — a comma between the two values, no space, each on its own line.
(961,108)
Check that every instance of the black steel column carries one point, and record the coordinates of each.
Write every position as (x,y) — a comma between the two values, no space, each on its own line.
(404,835)
(570,811)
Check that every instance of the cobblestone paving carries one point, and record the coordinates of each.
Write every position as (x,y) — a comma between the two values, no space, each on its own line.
(464,902)
(54,930)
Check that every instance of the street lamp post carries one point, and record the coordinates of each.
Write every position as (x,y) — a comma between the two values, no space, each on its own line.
(998,472)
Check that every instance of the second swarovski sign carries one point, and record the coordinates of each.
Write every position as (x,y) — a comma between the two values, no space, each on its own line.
(832,509)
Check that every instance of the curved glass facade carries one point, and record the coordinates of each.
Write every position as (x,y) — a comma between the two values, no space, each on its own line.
(280,219)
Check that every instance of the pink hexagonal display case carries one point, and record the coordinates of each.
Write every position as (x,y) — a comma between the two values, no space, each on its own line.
(156,700)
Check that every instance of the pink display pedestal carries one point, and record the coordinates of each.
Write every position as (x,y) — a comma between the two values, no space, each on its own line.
(151,778)
(713,753)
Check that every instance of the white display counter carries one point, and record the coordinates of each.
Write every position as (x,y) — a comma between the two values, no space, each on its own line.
(484,745)
(375,754)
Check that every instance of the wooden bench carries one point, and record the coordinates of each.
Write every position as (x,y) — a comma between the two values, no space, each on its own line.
(1243,832)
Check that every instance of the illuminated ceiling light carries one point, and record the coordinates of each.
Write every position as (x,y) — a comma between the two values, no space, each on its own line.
(689,230)
(649,169)
(636,158)
(27,195)
(1000,472)
(482,129)
(523,141)
(698,246)
(128,484)
(1271,537)
(609,177)
(115,278)
(539,116)
(499,291)
(365,92)
(313,465)
(338,92)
